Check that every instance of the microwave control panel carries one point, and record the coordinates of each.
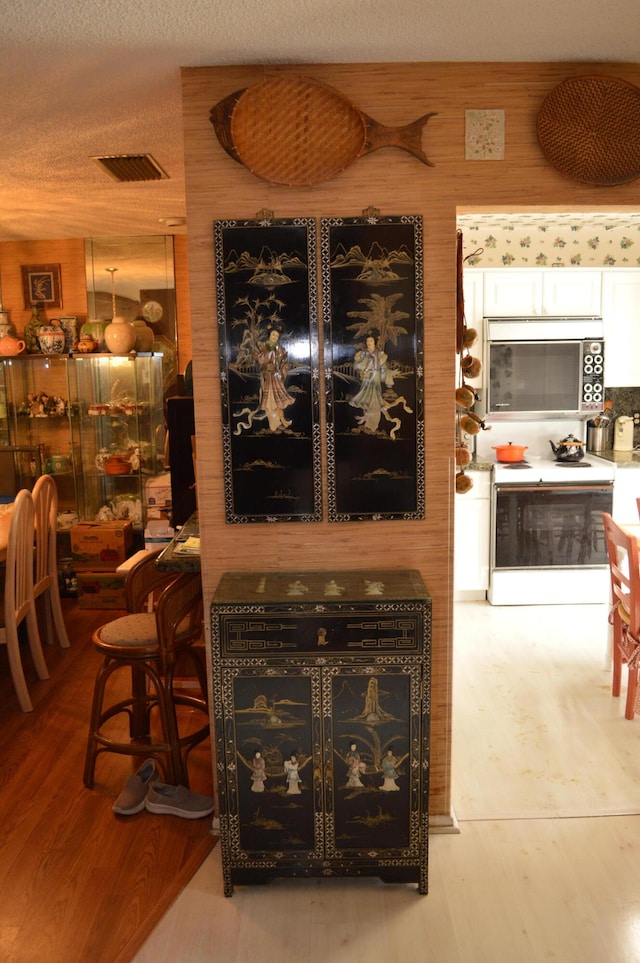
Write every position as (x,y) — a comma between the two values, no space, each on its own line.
(592,375)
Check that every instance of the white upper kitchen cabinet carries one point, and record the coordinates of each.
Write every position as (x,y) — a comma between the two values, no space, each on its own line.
(512,293)
(473,289)
(552,292)
(621,314)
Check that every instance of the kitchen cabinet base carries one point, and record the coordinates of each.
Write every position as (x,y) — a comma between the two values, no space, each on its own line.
(394,874)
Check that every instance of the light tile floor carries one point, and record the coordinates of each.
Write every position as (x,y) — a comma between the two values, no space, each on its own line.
(547,794)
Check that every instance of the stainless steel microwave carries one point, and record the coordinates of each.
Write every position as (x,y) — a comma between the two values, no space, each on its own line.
(538,368)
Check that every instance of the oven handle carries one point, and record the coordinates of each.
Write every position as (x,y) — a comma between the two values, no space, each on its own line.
(554,488)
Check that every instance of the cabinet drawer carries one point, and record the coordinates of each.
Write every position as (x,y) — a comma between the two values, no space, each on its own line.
(362,631)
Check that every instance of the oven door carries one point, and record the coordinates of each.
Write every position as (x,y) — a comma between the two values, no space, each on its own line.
(547,544)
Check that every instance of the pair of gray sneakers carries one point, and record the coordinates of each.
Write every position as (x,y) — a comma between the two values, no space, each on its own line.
(145,791)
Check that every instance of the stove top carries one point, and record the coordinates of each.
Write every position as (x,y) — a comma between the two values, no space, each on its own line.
(550,470)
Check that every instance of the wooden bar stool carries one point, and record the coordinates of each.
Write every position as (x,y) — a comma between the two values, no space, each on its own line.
(149,643)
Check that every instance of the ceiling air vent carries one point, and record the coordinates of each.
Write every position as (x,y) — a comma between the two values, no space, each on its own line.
(131,167)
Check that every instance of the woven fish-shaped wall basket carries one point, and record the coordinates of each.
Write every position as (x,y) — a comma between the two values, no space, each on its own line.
(298,132)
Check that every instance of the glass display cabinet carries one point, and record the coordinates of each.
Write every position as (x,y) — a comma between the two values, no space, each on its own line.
(39,422)
(95,423)
(121,432)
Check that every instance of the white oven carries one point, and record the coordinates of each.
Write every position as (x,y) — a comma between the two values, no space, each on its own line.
(547,541)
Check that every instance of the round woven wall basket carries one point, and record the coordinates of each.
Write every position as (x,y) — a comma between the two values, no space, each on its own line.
(589,130)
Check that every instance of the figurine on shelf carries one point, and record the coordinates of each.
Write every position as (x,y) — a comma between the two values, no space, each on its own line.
(105,514)
(134,458)
(32,328)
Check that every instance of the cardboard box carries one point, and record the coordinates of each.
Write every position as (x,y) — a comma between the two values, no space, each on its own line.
(157,490)
(100,590)
(100,546)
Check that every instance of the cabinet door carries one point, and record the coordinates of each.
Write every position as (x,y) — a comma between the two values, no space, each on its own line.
(572,292)
(621,314)
(374,743)
(472,540)
(120,414)
(512,293)
(626,488)
(42,412)
(324,766)
(473,286)
(273,763)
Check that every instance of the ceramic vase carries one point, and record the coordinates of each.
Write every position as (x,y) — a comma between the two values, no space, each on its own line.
(144,335)
(52,339)
(69,325)
(119,336)
(5,325)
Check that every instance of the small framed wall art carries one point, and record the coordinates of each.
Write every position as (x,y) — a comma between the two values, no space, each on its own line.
(41,284)
(267,326)
(373,318)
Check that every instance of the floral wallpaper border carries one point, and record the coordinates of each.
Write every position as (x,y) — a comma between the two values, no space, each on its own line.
(550,240)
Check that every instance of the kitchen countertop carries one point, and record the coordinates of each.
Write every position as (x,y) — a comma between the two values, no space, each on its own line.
(479,466)
(172,559)
(621,459)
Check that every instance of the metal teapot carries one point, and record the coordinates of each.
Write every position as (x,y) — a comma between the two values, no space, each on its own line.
(568,450)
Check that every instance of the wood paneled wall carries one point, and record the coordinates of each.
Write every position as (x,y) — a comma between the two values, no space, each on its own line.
(396,183)
(69,254)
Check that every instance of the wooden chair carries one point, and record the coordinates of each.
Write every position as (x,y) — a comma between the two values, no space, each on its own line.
(622,549)
(45,584)
(164,622)
(19,603)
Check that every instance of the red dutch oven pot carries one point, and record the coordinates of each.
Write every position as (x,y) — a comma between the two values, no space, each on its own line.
(510,452)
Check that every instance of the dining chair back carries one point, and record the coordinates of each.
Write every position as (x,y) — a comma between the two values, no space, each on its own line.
(19,603)
(158,634)
(624,569)
(46,590)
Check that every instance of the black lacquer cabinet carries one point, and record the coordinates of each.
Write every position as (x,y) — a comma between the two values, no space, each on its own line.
(321,685)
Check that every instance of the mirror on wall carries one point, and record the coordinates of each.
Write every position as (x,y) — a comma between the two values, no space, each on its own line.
(137,275)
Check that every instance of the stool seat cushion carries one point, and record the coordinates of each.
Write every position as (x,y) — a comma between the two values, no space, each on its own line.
(136,629)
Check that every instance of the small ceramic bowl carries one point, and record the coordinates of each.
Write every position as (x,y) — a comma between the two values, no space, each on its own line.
(117,465)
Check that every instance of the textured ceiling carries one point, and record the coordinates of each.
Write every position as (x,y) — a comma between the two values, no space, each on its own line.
(81,77)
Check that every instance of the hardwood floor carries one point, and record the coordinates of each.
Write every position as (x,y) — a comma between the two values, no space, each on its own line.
(78,884)
(547,862)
